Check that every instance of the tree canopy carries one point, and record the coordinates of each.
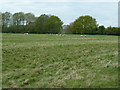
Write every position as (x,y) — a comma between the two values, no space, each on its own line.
(21,22)
(84,24)
(48,24)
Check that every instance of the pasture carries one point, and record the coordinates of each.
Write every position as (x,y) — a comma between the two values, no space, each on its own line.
(59,61)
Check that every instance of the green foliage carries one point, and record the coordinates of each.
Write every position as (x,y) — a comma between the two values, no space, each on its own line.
(18,18)
(53,25)
(112,30)
(68,28)
(84,24)
(27,22)
(40,23)
(101,29)
(30,28)
(6,20)
(21,23)
(53,61)
(48,24)
(29,18)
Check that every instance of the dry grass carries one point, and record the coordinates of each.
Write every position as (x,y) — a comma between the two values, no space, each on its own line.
(48,61)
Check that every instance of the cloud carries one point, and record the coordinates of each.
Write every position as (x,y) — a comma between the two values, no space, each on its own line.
(105,12)
(22,1)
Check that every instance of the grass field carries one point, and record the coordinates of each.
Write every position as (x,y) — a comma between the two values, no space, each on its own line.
(69,61)
(0,71)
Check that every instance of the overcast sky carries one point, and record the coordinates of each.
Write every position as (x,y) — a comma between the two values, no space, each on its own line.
(105,11)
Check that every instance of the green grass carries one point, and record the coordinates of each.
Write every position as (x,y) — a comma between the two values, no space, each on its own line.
(0,61)
(51,61)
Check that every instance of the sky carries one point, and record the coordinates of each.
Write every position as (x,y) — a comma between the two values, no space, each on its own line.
(104,11)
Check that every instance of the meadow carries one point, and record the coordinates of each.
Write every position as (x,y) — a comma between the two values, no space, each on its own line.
(54,61)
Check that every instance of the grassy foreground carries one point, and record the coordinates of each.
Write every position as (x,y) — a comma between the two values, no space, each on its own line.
(0,71)
(69,61)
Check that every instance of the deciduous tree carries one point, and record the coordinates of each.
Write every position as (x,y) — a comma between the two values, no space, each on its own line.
(84,24)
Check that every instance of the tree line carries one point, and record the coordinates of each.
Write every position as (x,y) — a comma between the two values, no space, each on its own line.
(21,22)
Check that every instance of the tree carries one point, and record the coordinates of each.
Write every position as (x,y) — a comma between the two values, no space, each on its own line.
(48,24)
(53,25)
(101,29)
(7,19)
(112,30)
(68,28)
(40,23)
(29,22)
(29,18)
(84,24)
(31,28)
(0,22)
(19,18)
(18,22)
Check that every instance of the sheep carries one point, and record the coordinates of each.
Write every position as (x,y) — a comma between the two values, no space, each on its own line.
(83,36)
(26,33)
(60,34)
